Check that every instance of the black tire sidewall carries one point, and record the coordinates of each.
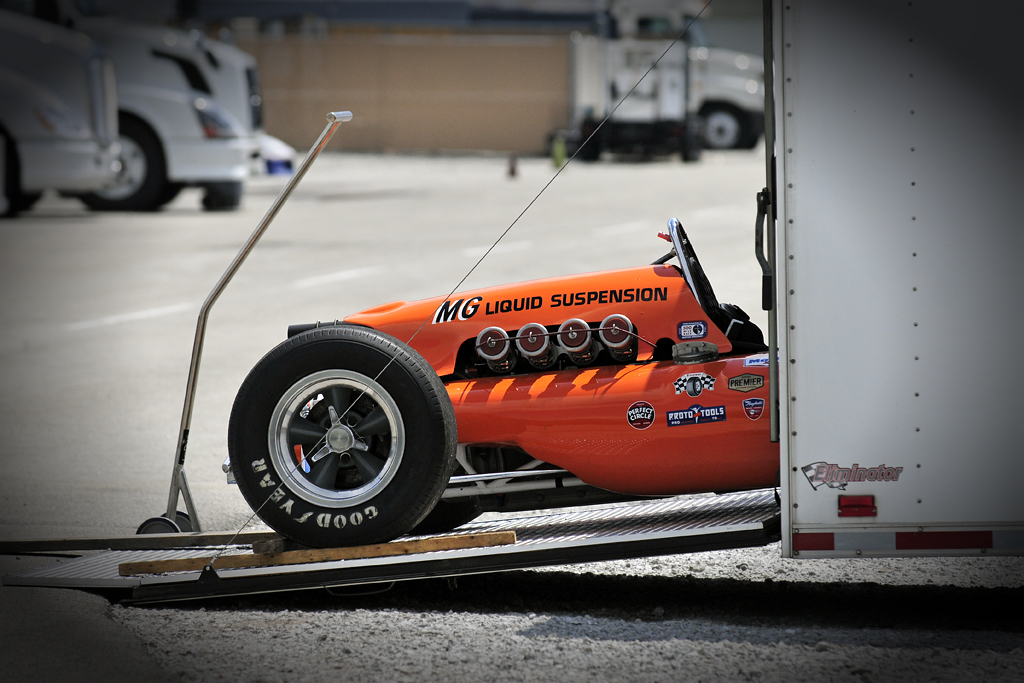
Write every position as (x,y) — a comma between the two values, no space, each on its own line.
(425,411)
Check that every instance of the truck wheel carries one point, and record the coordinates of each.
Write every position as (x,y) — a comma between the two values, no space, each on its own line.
(222,196)
(141,184)
(342,435)
(723,129)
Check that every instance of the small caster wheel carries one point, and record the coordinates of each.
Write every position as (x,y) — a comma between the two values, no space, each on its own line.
(162,525)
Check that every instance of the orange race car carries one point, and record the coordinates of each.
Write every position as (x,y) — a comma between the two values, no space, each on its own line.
(418,416)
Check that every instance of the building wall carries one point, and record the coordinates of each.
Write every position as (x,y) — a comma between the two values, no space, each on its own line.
(416,91)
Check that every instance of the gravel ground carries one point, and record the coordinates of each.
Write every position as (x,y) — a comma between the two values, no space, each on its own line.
(721,616)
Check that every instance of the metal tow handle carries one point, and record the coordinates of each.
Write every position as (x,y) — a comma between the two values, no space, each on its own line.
(179,484)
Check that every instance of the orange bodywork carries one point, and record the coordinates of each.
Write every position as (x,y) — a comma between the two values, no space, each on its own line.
(579,418)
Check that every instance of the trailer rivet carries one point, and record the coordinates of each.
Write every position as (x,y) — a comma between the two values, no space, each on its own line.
(795,553)
(858,552)
(917,358)
(792,398)
(796,505)
(918,465)
(789,113)
(912,184)
(917,429)
(915,289)
(915,253)
(790,221)
(790,150)
(794,469)
(916,394)
(791,291)
(918,500)
(790,257)
(792,360)
(915,324)
(911,149)
(790,185)
(794,433)
(911,111)
(792,327)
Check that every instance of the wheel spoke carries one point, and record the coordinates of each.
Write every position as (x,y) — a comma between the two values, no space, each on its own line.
(340,398)
(374,423)
(303,431)
(325,472)
(322,453)
(368,466)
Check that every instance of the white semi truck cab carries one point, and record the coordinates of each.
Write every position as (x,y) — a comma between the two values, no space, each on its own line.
(189,108)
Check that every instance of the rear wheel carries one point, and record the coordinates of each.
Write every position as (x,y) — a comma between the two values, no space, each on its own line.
(141,183)
(342,436)
(723,129)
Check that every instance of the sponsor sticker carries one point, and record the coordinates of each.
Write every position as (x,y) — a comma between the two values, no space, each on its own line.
(459,309)
(753,407)
(695,415)
(694,383)
(640,415)
(758,361)
(695,329)
(746,382)
(835,477)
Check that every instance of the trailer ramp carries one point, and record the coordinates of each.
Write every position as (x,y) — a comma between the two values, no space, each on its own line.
(658,527)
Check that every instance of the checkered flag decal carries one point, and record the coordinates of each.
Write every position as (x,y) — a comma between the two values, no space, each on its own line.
(706,382)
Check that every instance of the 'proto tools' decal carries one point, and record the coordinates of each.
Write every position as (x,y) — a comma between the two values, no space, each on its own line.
(753,407)
(746,382)
(694,383)
(695,329)
(695,415)
(836,477)
(640,415)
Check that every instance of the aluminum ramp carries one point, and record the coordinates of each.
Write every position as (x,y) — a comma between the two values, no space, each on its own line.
(657,527)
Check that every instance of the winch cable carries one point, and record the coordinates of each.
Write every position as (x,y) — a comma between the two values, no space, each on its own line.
(485,255)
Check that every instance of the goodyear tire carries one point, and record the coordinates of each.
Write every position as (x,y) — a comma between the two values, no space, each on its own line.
(342,435)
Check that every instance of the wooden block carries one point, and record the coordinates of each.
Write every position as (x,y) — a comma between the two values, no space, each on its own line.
(391,549)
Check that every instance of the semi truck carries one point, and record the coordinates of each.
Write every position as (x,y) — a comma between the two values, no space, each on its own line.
(189,108)
(58,113)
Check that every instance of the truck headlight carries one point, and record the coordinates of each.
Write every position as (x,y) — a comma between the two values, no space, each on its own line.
(215,121)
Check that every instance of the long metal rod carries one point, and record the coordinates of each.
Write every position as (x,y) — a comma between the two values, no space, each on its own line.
(179,484)
(770,160)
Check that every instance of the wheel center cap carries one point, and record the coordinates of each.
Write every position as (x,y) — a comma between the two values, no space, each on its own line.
(340,438)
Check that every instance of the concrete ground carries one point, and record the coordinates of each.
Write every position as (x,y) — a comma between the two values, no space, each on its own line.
(97,315)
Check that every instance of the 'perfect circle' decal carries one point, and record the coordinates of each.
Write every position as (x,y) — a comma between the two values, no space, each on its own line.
(640,415)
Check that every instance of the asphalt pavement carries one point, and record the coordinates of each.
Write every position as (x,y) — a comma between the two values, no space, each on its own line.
(97,316)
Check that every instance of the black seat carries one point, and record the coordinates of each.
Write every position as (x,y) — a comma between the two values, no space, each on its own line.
(733,321)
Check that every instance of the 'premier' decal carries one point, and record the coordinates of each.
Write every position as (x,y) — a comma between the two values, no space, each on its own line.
(746,382)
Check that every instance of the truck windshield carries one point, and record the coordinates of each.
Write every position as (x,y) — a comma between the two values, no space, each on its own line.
(696,35)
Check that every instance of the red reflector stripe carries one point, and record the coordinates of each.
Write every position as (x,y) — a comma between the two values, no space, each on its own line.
(814,542)
(856,501)
(942,540)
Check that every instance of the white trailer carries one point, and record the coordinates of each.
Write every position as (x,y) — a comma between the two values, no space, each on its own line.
(899,252)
